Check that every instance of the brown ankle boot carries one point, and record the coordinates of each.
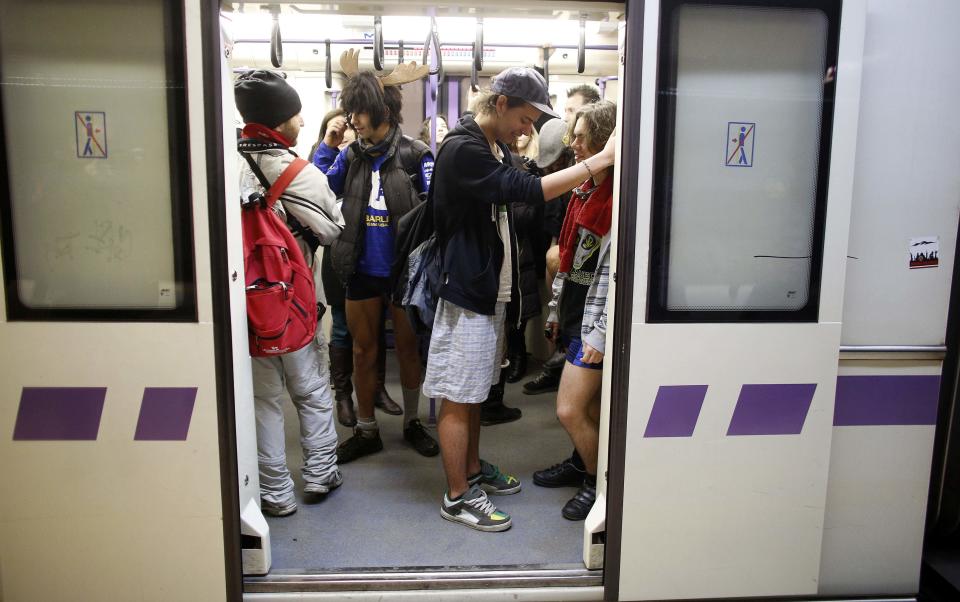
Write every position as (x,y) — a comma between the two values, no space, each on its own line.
(381,399)
(341,369)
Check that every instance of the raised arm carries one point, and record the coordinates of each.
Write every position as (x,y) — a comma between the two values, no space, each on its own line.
(559,182)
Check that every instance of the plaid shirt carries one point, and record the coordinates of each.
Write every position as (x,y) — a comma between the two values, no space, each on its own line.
(593,328)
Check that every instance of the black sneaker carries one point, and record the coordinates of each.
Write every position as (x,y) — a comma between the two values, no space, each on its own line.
(548,380)
(420,439)
(579,505)
(498,414)
(564,474)
(358,446)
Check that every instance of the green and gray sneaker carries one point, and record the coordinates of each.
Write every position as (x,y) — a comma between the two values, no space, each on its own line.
(494,482)
(474,510)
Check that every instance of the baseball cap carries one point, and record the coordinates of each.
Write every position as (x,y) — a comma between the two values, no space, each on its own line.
(525,83)
(551,141)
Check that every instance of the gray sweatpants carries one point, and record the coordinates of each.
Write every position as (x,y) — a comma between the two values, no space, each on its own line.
(307,378)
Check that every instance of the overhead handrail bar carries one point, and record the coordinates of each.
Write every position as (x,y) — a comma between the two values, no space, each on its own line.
(328,72)
(378,43)
(602,84)
(276,41)
(582,46)
(359,41)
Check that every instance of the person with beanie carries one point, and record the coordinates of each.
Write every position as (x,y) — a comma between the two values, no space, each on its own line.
(270,108)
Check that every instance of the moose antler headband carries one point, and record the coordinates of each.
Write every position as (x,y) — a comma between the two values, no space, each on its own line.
(403,73)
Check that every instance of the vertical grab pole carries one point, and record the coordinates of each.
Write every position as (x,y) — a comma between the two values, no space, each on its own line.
(431,56)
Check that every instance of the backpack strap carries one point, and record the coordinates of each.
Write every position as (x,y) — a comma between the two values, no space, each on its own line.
(411,152)
(281,183)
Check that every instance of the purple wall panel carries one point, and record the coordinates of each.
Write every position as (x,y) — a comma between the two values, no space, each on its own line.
(165,413)
(59,413)
(879,400)
(675,411)
(778,409)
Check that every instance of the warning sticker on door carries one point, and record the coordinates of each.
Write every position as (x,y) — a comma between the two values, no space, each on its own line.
(91,127)
(924,252)
(740,137)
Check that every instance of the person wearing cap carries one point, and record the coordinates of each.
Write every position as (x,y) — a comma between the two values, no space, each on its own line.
(578,311)
(270,108)
(473,188)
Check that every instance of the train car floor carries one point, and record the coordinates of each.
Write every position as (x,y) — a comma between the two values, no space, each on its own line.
(387,514)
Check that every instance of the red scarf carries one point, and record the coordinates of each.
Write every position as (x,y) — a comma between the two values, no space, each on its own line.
(263,133)
(593,213)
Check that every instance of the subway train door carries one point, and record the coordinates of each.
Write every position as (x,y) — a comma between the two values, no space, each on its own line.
(111,392)
(746,144)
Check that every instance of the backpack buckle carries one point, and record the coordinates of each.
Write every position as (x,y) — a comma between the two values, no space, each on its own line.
(255,198)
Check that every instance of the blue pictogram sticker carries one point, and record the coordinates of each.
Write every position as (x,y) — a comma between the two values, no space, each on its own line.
(740,137)
(91,127)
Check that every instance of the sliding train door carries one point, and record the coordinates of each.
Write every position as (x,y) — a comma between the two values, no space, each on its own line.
(111,396)
(745,161)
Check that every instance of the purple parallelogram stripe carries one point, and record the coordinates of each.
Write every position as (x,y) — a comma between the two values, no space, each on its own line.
(165,413)
(675,411)
(886,400)
(59,413)
(771,409)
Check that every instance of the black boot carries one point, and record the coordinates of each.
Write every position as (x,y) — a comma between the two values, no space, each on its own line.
(381,399)
(549,377)
(518,367)
(492,410)
(341,369)
(517,354)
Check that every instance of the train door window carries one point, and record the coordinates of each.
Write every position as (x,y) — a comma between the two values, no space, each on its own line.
(744,118)
(97,225)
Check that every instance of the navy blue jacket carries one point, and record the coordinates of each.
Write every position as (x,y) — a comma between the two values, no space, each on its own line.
(468,183)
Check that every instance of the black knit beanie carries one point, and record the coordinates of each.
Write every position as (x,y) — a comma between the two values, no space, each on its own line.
(266,98)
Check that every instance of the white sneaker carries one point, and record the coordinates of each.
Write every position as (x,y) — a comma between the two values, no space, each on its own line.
(323,488)
(474,510)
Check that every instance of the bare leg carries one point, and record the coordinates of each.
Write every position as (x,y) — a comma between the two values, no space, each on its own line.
(407,353)
(579,388)
(363,321)
(453,430)
(473,452)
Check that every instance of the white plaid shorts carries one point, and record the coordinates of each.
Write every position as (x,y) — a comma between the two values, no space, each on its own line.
(466,351)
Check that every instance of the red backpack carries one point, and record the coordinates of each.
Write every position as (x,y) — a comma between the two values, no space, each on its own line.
(281,299)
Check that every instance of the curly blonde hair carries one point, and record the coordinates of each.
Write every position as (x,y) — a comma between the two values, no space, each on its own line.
(601,118)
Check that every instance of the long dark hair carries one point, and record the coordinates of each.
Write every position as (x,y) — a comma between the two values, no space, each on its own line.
(323,130)
(364,94)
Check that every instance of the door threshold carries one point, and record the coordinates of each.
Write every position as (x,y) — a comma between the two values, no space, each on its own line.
(413,578)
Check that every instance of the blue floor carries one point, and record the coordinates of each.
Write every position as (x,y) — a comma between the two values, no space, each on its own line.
(386,514)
